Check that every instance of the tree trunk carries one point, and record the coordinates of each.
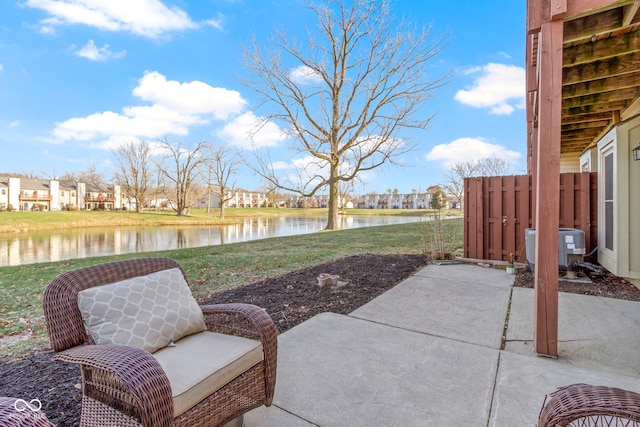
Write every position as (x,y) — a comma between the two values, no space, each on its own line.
(334,194)
(223,197)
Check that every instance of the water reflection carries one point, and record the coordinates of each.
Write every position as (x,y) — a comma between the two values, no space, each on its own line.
(60,245)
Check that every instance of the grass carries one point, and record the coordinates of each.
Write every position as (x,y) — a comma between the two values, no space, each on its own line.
(11,222)
(210,269)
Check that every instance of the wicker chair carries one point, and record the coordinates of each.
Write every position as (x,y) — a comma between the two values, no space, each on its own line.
(592,406)
(123,385)
(19,413)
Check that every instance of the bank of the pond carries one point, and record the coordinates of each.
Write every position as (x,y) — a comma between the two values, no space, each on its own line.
(211,269)
(20,222)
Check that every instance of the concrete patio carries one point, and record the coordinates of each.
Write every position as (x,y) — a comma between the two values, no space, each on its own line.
(432,352)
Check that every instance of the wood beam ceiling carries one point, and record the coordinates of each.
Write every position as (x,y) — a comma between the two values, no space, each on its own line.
(616,66)
(592,87)
(601,68)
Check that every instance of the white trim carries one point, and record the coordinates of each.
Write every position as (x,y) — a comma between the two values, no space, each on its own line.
(606,146)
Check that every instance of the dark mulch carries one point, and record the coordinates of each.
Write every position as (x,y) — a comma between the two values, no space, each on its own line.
(289,299)
(295,297)
(605,285)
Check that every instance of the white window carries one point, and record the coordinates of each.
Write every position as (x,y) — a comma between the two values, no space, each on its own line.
(609,178)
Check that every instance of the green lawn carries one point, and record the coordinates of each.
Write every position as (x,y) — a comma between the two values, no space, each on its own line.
(210,269)
(11,222)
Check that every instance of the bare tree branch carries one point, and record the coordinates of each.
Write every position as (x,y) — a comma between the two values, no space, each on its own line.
(454,177)
(134,173)
(365,84)
(222,165)
(183,171)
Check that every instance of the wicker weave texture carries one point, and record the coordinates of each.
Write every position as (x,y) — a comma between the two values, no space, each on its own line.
(15,413)
(126,386)
(590,406)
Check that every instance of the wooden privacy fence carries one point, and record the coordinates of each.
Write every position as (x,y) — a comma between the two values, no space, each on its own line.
(497,210)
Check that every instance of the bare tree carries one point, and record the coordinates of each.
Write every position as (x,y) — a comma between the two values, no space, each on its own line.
(223,165)
(135,173)
(454,177)
(89,176)
(355,88)
(183,171)
(51,176)
(493,166)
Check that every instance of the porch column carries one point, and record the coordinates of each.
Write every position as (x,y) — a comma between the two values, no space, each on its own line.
(547,185)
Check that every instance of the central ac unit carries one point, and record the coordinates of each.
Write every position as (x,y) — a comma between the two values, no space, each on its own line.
(571,246)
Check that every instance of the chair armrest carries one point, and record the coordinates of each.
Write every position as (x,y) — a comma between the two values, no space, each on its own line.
(583,401)
(265,328)
(19,416)
(139,372)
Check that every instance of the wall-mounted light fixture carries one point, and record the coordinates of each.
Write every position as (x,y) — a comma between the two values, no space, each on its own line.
(636,153)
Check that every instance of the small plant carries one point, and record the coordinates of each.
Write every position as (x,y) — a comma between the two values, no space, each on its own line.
(440,235)
(511,266)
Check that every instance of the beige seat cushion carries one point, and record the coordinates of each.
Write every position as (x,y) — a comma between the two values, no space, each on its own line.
(146,312)
(202,363)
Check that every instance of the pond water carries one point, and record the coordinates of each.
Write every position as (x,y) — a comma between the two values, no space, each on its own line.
(29,248)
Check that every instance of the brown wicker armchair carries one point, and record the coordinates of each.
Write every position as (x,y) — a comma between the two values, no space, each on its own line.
(592,406)
(20,413)
(123,385)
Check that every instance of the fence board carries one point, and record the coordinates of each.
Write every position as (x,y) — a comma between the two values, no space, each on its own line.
(497,210)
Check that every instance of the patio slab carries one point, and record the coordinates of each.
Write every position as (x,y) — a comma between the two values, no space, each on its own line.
(447,301)
(273,416)
(523,382)
(593,332)
(468,273)
(335,370)
(427,353)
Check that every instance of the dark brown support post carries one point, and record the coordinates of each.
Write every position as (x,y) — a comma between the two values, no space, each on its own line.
(547,185)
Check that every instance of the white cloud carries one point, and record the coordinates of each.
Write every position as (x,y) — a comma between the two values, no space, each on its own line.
(280,165)
(464,149)
(217,22)
(15,124)
(175,107)
(194,97)
(499,87)
(309,169)
(94,53)
(46,29)
(110,124)
(113,142)
(1,67)
(214,23)
(148,18)
(304,75)
(249,131)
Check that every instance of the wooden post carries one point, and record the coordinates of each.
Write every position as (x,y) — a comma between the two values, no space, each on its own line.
(547,185)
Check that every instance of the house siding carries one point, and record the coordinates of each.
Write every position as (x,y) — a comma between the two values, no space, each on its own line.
(623,259)
(24,194)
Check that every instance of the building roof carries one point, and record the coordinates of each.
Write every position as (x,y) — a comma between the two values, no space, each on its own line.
(34,184)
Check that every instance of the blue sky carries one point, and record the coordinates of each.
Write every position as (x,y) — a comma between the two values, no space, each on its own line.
(80,77)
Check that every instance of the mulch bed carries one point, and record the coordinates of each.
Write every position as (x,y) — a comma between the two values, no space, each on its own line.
(290,299)
(605,285)
(295,297)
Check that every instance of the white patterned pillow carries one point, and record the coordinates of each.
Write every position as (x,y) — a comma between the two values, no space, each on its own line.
(146,312)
